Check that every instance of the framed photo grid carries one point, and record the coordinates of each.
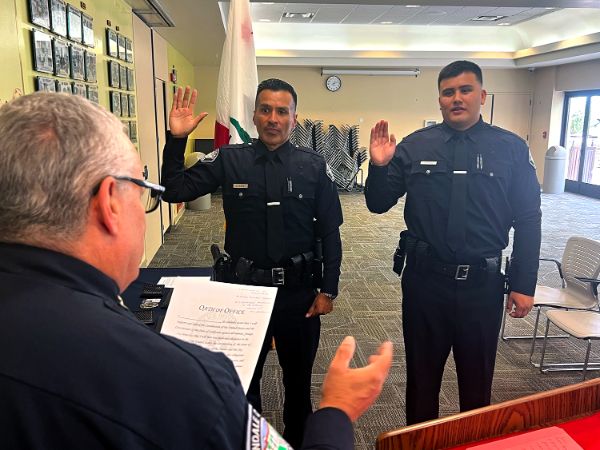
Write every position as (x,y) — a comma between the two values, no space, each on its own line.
(121,47)
(92,93)
(39,13)
(128,50)
(42,52)
(90,67)
(62,61)
(133,131)
(131,99)
(87,25)
(123,77)
(58,16)
(64,86)
(112,47)
(113,74)
(130,80)
(74,24)
(124,105)
(115,103)
(77,63)
(79,89)
(45,84)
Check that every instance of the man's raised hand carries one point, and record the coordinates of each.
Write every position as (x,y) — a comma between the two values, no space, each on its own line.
(181,118)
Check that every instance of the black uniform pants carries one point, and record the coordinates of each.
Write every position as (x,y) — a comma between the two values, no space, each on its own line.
(296,341)
(440,314)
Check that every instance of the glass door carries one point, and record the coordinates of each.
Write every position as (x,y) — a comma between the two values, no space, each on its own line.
(581,139)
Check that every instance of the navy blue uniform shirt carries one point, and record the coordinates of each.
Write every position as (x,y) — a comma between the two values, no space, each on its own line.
(502,192)
(79,371)
(308,194)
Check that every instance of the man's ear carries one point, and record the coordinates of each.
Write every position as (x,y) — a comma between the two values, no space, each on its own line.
(483,96)
(107,206)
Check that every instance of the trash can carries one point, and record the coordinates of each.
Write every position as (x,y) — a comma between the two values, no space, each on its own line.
(554,170)
(201,203)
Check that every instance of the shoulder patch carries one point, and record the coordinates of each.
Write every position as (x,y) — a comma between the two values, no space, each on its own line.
(211,157)
(329,172)
(260,434)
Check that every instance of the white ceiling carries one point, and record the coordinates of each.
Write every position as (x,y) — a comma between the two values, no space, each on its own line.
(350,33)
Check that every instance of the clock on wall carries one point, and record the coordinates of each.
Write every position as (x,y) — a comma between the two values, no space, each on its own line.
(333,83)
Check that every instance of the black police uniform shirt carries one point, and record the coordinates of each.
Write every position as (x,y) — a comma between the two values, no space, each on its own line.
(79,371)
(308,193)
(502,192)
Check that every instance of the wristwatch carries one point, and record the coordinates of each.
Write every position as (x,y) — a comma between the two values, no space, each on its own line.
(331,296)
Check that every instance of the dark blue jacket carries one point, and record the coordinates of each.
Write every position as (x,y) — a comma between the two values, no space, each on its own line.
(79,371)
(502,193)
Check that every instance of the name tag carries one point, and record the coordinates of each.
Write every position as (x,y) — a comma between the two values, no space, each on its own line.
(429,163)
(240,186)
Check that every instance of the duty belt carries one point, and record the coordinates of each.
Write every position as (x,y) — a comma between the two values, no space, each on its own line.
(463,272)
(420,254)
(299,273)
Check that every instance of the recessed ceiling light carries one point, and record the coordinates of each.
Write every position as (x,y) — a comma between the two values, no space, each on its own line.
(298,15)
(487,18)
(264,20)
(385,23)
(549,7)
(503,24)
(412,6)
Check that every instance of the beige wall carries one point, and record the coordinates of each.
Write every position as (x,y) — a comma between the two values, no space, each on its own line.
(206,79)
(405,102)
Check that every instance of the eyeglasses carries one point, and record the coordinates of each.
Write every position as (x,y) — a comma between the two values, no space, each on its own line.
(152,192)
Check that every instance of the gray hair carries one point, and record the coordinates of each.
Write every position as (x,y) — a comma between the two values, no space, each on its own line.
(54,149)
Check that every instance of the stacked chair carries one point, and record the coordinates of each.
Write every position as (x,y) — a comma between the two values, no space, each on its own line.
(339,147)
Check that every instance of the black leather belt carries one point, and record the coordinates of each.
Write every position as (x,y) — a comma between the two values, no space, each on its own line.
(269,277)
(463,272)
(295,275)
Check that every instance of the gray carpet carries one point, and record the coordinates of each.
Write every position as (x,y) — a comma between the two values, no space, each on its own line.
(368,306)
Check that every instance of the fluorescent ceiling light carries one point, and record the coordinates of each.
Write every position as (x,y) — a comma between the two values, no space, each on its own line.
(385,23)
(487,18)
(297,15)
(412,6)
(152,14)
(394,72)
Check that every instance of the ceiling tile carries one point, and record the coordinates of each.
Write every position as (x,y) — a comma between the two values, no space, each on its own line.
(365,14)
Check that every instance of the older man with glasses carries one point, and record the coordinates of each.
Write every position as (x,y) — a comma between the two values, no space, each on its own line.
(77,369)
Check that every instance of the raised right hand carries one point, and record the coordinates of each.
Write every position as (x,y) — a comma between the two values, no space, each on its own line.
(354,390)
(181,118)
(382,145)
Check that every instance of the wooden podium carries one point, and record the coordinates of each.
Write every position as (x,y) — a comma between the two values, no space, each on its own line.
(527,413)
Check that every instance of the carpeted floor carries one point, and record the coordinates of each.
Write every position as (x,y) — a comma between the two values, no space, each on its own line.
(368,306)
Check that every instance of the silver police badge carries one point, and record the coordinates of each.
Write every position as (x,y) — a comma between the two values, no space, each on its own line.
(211,157)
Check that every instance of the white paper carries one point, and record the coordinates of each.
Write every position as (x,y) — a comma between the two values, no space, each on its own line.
(223,317)
(169,282)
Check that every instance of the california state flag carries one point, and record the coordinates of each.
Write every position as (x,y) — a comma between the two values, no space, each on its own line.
(237,79)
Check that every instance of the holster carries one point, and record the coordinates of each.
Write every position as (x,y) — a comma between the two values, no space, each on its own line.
(221,265)
(400,253)
(506,275)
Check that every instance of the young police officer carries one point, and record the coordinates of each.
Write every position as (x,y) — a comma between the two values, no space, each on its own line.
(467,183)
(277,199)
